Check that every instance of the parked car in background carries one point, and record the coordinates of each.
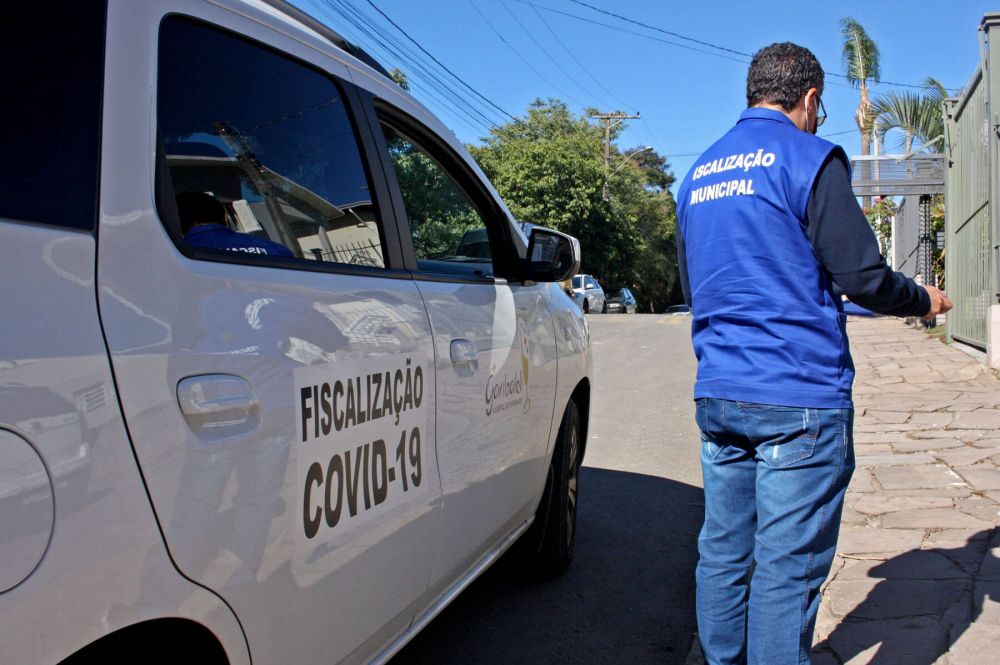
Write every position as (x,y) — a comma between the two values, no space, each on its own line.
(678,310)
(589,295)
(622,301)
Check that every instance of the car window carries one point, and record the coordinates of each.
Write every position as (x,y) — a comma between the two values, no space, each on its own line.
(577,282)
(50,118)
(261,152)
(449,233)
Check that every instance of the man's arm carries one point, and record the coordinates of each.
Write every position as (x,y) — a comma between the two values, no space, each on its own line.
(846,246)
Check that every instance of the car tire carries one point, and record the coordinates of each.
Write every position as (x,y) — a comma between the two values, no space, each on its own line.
(549,543)
(604,309)
(586,307)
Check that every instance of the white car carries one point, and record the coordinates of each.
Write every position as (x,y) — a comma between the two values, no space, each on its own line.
(589,295)
(257,399)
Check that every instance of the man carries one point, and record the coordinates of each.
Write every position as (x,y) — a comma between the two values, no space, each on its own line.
(771,234)
(203,221)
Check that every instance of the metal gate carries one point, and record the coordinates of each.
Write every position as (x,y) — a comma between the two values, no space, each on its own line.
(912,241)
(970,269)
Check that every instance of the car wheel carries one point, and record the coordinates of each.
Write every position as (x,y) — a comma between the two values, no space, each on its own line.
(604,309)
(550,541)
(586,307)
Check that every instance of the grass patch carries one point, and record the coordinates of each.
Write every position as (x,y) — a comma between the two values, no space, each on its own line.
(937,332)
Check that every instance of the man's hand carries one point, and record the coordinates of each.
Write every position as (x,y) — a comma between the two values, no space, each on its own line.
(939,302)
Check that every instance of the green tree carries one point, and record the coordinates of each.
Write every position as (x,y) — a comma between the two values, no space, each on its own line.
(655,169)
(399,77)
(434,205)
(937,226)
(880,216)
(640,197)
(549,168)
(934,95)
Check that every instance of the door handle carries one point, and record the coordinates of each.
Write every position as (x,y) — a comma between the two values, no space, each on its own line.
(218,406)
(464,354)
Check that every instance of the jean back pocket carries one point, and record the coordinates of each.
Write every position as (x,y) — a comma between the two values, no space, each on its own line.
(784,435)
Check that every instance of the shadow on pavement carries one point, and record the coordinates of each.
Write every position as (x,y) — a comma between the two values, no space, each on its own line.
(925,601)
(627,598)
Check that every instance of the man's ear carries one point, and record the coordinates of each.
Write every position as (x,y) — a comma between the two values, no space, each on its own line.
(809,98)
(810,101)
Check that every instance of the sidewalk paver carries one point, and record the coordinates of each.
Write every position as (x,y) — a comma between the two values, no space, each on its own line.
(917,574)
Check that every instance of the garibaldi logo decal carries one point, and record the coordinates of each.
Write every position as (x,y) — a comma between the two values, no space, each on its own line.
(510,389)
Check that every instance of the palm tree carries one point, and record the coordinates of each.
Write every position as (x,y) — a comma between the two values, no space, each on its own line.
(918,116)
(861,64)
(898,110)
(934,123)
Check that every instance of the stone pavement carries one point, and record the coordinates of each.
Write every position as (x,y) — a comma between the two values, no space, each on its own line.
(916,580)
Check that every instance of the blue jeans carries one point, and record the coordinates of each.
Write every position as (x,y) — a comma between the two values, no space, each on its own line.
(775,479)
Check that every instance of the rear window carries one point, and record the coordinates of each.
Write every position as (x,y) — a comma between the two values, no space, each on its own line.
(50,117)
(262,156)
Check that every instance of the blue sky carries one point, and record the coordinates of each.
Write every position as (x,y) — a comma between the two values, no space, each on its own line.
(687,94)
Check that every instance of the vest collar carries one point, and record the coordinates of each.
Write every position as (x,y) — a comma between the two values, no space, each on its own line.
(758,113)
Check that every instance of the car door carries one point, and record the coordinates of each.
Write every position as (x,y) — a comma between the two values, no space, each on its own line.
(494,341)
(273,359)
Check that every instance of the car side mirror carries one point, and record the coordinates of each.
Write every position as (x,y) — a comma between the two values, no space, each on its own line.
(552,256)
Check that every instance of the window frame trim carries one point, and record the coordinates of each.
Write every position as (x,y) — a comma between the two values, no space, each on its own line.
(166,212)
(506,269)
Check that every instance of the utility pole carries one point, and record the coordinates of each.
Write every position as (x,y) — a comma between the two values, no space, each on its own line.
(610,120)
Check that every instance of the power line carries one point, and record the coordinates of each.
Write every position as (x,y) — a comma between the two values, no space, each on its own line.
(631,32)
(569,52)
(545,51)
(716,46)
(521,57)
(451,101)
(666,32)
(846,131)
(436,86)
(456,112)
(439,63)
(419,67)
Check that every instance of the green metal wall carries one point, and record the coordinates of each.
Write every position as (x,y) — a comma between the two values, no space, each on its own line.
(970,164)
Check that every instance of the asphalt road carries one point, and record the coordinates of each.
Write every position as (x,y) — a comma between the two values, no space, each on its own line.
(629,595)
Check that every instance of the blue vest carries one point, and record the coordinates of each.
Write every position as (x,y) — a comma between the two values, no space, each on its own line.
(767,326)
(219,236)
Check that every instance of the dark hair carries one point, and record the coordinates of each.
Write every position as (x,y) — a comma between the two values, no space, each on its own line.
(781,73)
(199,208)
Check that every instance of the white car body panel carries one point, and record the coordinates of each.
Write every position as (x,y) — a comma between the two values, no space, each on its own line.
(103,521)
(494,413)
